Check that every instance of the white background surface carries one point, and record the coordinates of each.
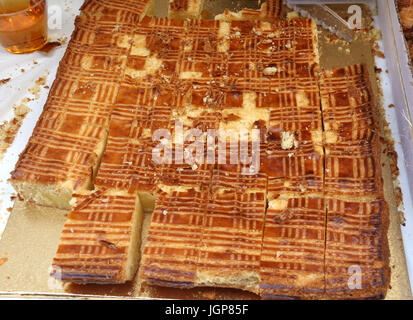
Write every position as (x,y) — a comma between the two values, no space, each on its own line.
(14,91)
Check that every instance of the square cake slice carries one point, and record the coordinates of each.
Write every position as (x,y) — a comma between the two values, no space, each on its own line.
(185,9)
(101,239)
(357,254)
(353,166)
(292,257)
(231,239)
(172,248)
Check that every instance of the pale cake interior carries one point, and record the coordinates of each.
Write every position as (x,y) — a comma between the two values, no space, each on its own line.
(135,243)
(58,195)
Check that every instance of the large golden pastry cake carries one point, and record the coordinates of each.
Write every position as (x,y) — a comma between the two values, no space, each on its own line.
(294,224)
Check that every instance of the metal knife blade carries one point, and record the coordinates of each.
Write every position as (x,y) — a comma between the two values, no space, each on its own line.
(324,16)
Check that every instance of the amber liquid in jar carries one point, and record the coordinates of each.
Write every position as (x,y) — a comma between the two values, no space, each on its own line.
(23,29)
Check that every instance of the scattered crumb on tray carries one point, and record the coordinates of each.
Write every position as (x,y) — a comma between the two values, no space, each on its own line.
(62,40)
(9,129)
(4,81)
(378,53)
(35,90)
(3,260)
(377,69)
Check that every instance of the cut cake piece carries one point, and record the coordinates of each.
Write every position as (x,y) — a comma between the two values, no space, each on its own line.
(230,246)
(292,257)
(357,252)
(201,238)
(185,9)
(171,252)
(352,146)
(101,238)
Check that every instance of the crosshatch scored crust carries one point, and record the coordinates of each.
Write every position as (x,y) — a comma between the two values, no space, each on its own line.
(278,233)
(185,9)
(64,152)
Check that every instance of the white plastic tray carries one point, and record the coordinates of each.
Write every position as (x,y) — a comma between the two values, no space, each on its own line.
(398,89)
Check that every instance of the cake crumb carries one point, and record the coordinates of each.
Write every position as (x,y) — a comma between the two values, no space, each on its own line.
(9,129)
(270,71)
(3,260)
(35,90)
(288,140)
(4,81)
(292,15)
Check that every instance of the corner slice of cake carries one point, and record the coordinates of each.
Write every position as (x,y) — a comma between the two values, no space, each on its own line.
(351,125)
(101,239)
(62,156)
(292,257)
(185,9)
(357,252)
